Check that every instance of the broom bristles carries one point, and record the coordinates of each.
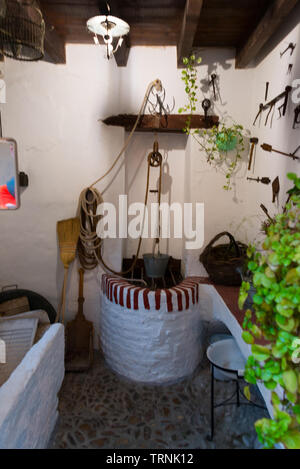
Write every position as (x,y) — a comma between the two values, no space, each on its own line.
(68,234)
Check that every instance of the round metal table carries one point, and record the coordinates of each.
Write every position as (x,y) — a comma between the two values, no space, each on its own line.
(225,356)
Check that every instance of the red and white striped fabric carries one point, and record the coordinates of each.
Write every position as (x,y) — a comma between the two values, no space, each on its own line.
(177,298)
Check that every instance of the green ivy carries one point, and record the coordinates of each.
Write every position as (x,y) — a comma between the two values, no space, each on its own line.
(220,139)
(275,316)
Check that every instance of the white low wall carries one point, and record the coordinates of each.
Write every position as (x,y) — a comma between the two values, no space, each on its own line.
(152,346)
(28,399)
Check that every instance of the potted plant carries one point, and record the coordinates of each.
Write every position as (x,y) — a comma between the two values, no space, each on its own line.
(223,143)
(275,317)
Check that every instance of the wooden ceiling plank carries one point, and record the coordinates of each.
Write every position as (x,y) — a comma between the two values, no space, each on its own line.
(274,16)
(54,44)
(188,31)
(122,54)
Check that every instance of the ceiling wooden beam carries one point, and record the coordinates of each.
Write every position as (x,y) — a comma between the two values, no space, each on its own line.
(274,16)
(122,54)
(189,25)
(54,44)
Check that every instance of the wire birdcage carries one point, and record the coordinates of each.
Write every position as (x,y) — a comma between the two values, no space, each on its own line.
(22,30)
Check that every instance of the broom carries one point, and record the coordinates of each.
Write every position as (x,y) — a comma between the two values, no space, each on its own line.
(68,235)
(79,337)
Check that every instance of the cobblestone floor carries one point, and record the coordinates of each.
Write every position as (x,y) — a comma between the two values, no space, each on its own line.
(98,409)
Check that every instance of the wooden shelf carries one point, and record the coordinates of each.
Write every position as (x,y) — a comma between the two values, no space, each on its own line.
(171,123)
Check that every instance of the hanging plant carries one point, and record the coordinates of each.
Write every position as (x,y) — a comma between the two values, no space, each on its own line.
(222,144)
(275,317)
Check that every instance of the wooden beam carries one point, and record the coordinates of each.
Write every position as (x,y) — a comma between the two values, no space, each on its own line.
(189,25)
(122,54)
(171,123)
(274,16)
(54,44)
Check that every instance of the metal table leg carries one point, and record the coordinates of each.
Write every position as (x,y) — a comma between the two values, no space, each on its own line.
(237,393)
(212,405)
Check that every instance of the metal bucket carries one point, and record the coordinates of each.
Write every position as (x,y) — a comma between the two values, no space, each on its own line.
(156,265)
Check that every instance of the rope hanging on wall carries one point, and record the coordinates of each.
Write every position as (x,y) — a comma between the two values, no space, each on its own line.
(90,245)
(22,30)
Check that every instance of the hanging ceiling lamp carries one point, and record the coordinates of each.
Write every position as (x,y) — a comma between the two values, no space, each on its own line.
(109,27)
(22,30)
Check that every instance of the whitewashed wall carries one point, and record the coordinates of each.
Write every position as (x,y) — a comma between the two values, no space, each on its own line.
(279,134)
(53,110)
(238,211)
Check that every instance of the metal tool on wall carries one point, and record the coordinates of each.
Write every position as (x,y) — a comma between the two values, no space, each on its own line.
(275,189)
(253,141)
(264,209)
(290,47)
(296,118)
(213,83)
(290,68)
(269,148)
(159,108)
(267,90)
(259,113)
(271,104)
(206,105)
(263,180)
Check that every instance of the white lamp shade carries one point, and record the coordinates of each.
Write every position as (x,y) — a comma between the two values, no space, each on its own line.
(116,26)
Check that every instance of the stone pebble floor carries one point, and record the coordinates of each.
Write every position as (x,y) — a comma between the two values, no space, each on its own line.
(98,409)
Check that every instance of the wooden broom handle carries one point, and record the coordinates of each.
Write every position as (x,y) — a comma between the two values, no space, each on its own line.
(80,297)
(61,310)
(81,274)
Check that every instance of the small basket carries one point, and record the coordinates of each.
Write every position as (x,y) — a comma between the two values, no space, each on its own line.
(223,260)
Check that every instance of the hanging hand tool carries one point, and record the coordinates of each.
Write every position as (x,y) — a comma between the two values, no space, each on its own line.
(263,180)
(267,91)
(290,68)
(206,104)
(259,113)
(154,161)
(290,47)
(79,337)
(275,189)
(263,107)
(253,141)
(213,83)
(296,118)
(269,148)
(266,212)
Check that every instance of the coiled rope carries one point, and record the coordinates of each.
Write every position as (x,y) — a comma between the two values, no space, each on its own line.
(89,244)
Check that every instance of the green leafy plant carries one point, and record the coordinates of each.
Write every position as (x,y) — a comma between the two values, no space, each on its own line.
(275,317)
(223,144)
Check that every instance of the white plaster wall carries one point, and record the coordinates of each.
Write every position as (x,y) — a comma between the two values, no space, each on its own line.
(224,210)
(52,111)
(145,64)
(238,211)
(280,133)
(191,178)
(28,399)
